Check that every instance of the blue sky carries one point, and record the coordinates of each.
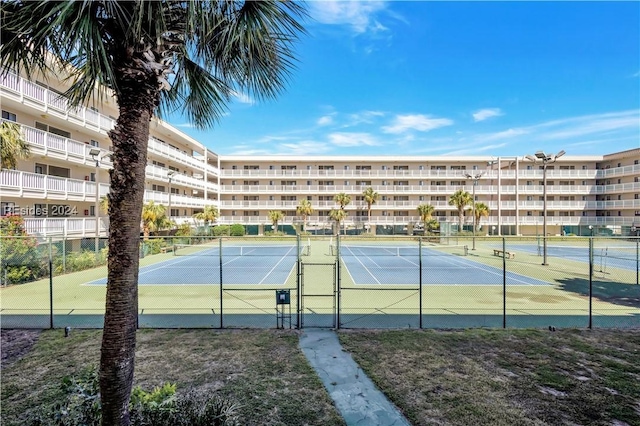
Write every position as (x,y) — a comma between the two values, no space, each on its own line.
(449,78)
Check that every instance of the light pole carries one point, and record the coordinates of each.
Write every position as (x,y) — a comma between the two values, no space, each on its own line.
(545,159)
(475,179)
(94,153)
(170,176)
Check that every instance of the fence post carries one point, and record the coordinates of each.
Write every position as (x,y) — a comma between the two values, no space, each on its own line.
(504,282)
(338,280)
(420,280)
(298,278)
(637,261)
(220,258)
(50,285)
(590,281)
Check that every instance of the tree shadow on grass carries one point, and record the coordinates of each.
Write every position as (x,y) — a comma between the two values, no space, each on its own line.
(616,293)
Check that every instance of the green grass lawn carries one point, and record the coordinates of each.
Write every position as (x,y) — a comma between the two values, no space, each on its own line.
(463,377)
(497,377)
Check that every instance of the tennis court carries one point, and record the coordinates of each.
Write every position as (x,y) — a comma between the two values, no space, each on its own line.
(229,264)
(450,265)
(623,257)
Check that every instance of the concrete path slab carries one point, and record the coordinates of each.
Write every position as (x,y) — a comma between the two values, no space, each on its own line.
(356,397)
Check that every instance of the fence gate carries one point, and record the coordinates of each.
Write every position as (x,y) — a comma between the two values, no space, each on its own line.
(318,292)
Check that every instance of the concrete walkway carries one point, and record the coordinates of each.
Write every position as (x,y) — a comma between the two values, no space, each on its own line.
(355,396)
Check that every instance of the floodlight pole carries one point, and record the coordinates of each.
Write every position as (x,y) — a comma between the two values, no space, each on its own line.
(545,159)
(95,153)
(170,176)
(475,179)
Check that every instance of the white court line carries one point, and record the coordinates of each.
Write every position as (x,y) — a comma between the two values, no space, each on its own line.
(276,265)
(468,264)
(365,268)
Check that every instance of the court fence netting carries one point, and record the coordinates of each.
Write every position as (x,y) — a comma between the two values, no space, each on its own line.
(334,281)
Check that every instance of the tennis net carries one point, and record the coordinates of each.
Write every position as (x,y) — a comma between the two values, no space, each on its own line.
(614,252)
(240,250)
(402,251)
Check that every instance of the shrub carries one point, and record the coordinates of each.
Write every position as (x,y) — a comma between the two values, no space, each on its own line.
(153,246)
(20,258)
(159,407)
(237,230)
(221,230)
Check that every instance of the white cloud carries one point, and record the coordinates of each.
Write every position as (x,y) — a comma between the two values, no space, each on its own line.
(325,120)
(486,113)
(304,148)
(346,139)
(358,15)
(636,74)
(243,98)
(419,122)
(366,117)
(589,125)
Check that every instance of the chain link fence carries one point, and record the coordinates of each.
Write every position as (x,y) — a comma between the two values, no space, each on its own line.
(337,281)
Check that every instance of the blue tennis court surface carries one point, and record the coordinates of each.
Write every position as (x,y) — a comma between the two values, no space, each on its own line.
(204,268)
(437,268)
(611,257)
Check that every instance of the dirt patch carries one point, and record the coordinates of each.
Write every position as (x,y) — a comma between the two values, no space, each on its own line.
(15,344)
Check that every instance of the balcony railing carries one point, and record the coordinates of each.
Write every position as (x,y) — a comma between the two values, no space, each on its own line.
(33,185)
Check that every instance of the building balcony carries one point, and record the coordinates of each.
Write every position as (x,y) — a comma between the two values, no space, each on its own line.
(176,200)
(161,173)
(26,185)
(66,227)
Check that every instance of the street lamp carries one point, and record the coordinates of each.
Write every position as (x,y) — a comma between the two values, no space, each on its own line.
(170,176)
(545,159)
(475,179)
(94,153)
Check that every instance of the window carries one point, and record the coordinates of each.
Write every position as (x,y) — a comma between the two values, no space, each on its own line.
(421,198)
(234,167)
(346,167)
(7,208)
(6,115)
(252,167)
(94,143)
(421,167)
(40,169)
(324,167)
(92,210)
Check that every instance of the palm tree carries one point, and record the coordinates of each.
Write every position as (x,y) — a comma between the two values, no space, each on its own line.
(275,216)
(338,215)
(343,200)
(482,210)
(425,211)
(13,146)
(460,199)
(370,196)
(153,218)
(209,215)
(104,203)
(154,57)
(304,209)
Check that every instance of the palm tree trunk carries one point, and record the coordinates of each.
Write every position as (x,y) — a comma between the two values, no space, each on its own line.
(130,140)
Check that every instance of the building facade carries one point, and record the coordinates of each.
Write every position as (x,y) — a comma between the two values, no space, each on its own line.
(59,187)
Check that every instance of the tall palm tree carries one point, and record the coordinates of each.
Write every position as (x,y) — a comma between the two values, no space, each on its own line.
(153,218)
(482,210)
(304,209)
(425,211)
(460,200)
(275,216)
(13,146)
(154,57)
(338,215)
(343,200)
(209,215)
(370,196)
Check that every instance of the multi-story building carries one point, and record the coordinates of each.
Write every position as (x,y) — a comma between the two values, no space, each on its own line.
(58,188)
